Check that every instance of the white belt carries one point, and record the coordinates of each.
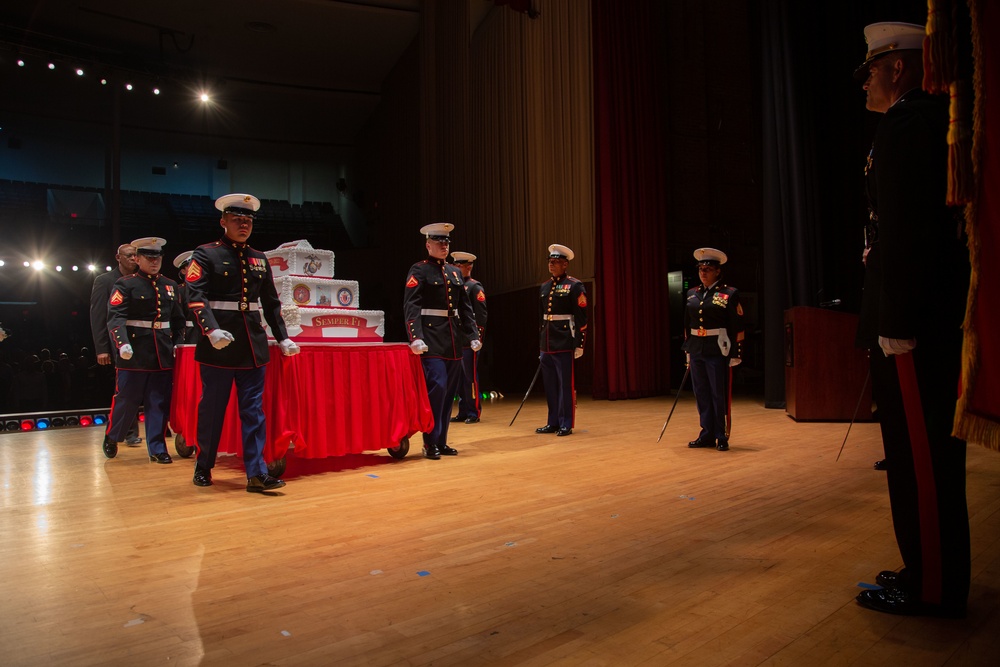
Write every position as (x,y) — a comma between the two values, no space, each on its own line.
(439,313)
(705,332)
(146,324)
(553,318)
(233,305)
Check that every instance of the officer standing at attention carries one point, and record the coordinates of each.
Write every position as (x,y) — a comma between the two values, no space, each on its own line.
(713,332)
(469,406)
(181,262)
(99,295)
(440,322)
(145,321)
(562,306)
(225,281)
(916,277)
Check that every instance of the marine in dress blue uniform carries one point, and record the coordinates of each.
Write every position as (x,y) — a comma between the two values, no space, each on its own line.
(145,321)
(916,276)
(439,322)
(181,262)
(469,405)
(713,330)
(229,286)
(562,309)
(99,295)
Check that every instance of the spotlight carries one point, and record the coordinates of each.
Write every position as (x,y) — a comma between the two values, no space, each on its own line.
(27,424)
(91,268)
(58,268)
(156,91)
(104,82)
(86,420)
(204,97)
(1,262)
(27,264)
(42,423)
(107,268)
(103,419)
(142,416)
(52,66)
(79,72)
(37,265)
(20,63)
(128,86)
(76,268)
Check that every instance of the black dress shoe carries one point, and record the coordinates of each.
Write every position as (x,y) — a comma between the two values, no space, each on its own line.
(445,450)
(110,447)
(564,431)
(202,477)
(889,579)
(431,452)
(881,465)
(548,428)
(700,443)
(262,483)
(472,420)
(457,418)
(897,601)
(160,458)
(723,445)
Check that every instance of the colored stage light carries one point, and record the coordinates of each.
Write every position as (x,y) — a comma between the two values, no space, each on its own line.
(86,420)
(27,424)
(12,425)
(72,420)
(42,423)
(102,419)
(142,416)
(58,422)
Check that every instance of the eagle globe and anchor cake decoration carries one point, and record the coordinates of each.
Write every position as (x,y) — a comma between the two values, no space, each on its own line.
(315,306)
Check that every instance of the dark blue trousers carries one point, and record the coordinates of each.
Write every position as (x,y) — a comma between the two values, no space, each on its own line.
(557,374)
(442,377)
(710,381)
(132,389)
(216,385)
(468,401)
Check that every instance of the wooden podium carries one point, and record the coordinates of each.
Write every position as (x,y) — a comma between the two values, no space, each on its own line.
(824,372)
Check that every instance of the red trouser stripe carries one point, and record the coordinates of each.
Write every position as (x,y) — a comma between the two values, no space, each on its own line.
(927,506)
(729,402)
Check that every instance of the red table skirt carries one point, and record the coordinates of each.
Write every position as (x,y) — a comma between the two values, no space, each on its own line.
(331,399)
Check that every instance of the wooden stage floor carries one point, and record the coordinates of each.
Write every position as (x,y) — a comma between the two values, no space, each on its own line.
(602,548)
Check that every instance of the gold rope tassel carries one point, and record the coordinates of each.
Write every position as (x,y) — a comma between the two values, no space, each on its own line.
(960,177)
(940,51)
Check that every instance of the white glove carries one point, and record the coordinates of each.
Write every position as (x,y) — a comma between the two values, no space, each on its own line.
(577,353)
(418,346)
(219,338)
(687,360)
(892,346)
(125,351)
(476,345)
(735,361)
(288,347)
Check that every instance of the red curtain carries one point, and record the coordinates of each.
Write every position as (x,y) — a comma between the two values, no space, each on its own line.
(978,418)
(631,343)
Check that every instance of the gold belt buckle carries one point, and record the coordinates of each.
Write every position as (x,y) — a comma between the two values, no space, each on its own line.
(243,305)
(702,331)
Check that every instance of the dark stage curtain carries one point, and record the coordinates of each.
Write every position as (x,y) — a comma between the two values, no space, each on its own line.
(631,355)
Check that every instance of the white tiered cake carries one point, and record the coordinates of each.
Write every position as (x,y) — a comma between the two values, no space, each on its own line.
(317,308)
